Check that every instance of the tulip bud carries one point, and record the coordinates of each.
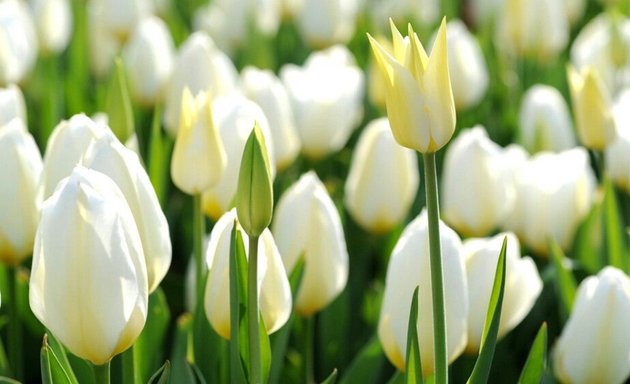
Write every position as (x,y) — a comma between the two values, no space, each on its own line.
(12,104)
(149,57)
(522,284)
(326,22)
(544,121)
(592,108)
(19,211)
(274,292)
(254,196)
(88,283)
(376,197)
(200,66)
(409,267)
(307,225)
(266,90)
(109,156)
(65,148)
(19,50)
(554,193)
(198,157)
(473,194)
(594,345)
(234,117)
(53,19)
(418,93)
(327,96)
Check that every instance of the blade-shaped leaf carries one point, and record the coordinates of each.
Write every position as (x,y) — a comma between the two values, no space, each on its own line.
(161,376)
(237,256)
(536,360)
(147,349)
(413,372)
(588,240)
(615,241)
(332,378)
(481,371)
(565,282)
(60,352)
(51,368)
(367,364)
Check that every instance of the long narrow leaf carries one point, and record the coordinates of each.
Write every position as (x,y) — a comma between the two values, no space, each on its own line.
(565,282)
(481,371)
(413,374)
(367,365)
(161,376)
(332,378)
(52,370)
(536,360)
(237,252)
(615,244)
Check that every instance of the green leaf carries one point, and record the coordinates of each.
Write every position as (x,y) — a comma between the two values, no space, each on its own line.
(147,351)
(413,368)
(208,347)
(181,372)
(60,352)
(481,371)
(615,241)
(237,256)
(8,380)
(367,364)
(265,350)
(332,378)
(588,240)
(565,282)
(51,368)
(158,157)
(536,360)
(118,104)
(161,376)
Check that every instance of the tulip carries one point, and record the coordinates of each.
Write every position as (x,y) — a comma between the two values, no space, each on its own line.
(554,193)
(538,29)
(199,158)
(88,283)
(425,12)
(466,65)
(65,148)
(53,19)
(234,117)
(473,194)
(409,267)
(592,108)
(484,12)
(19,211)
(544,121)
(598,323)
(109,156)
(149,57)
(327,96)
(266,90)
(307,225)
(617,154)
(120,17)
(418,93)
(12,104)
(522,284)
(274,292)
(326,22)
(17,32)
(377,197)
(103,45)
(200,66)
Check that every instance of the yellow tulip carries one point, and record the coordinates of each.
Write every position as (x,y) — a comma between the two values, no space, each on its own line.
(418,92)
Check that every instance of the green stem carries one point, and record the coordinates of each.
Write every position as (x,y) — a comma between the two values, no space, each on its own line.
(101,373)
(309,333)
(15,327)
(255,364)
(437,283)
(198,230)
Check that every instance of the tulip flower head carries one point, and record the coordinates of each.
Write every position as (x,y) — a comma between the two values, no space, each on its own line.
(418,93)
(88,283)
(274,292)
(598,323)
(409,267)
(12,104)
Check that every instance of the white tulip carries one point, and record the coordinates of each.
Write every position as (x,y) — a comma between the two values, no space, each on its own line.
(409,267)
(148,57)
(120,17)
(545,121)
(522,284)
(617,154)
(307,225)
(326,22)
(327,96)
(19,211)
(598,323)
(109,156)
(474,198)
(12,104)
(53,19)
(88,283)
(383,179)
(65,148)
(18,40)
(200,66)
(234,117)
(103,45)
(425,12)
(274,292)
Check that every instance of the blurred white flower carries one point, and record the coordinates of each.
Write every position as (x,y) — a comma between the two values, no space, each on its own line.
(18,39)
(12,104)
(119,17)
(544,121)
(53,19)
(327,98)
(409,267)
(522,284)
(266,90)
(307,226)
(383,179)
(598,323)
(326,22)
(425,12)
(617,154)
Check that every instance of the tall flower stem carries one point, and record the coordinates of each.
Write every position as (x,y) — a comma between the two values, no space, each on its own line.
(253,320)
(198,229)
(101,373)
(15,326)
(437,281)
(309,345)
